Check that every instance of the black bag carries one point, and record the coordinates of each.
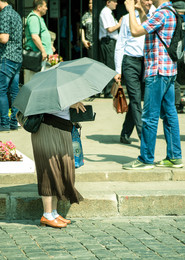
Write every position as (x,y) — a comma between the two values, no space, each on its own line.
(88,115)
(32,60)
(176,48)
(30,123)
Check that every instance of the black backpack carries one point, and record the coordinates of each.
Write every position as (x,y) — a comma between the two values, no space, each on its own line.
(176,48)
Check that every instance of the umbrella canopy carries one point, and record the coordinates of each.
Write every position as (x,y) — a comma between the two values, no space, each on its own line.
(62,86)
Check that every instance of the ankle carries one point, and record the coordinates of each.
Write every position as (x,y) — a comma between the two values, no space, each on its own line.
(48,215)
(55,213)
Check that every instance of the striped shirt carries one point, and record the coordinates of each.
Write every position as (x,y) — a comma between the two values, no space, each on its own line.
(156,56)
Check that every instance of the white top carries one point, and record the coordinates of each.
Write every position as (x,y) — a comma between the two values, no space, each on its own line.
(62,114)
(126,43)
(107,20)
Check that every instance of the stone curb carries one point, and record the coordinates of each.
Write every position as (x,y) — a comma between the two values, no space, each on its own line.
(129,176)
(28,205)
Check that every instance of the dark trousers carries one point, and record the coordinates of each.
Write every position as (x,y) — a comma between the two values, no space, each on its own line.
(132,70)
(180,80)
(177,93)
(107,47)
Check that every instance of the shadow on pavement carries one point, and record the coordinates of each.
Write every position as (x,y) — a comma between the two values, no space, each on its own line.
(108,139)
(108,158)
(182,137)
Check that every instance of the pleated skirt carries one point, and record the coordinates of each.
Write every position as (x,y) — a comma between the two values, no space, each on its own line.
(54,160)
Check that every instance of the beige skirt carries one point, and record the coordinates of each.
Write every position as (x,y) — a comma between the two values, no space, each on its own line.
(54,160)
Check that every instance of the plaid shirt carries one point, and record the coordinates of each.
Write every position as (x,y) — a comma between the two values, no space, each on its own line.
(157,59)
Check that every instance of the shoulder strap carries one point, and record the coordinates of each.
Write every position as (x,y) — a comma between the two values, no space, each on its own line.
(168,8)
(39,22)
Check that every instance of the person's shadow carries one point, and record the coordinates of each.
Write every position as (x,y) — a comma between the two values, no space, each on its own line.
(182,137)
(112,139)
(108,158)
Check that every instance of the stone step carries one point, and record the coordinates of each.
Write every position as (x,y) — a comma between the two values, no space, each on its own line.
(156,174)
(101,199)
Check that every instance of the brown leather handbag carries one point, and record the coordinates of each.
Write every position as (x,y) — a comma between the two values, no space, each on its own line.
(119,99)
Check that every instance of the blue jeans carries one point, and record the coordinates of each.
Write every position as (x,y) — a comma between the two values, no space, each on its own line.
(159,101)
(9,87)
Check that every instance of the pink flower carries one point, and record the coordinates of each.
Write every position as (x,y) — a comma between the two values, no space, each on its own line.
(8,152)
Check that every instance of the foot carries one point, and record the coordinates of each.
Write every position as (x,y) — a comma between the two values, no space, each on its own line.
(4,128)
(52,223)
(125,139)
(14,127)
(173,163)
(137,165)
(63,219)
(179,108)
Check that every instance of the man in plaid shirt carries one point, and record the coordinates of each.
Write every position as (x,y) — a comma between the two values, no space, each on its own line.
(160,75)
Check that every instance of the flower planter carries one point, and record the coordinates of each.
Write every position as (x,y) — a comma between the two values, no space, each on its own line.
(26,165)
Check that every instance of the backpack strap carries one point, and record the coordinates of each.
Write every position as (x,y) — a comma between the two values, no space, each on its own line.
(168,8)
(39,22)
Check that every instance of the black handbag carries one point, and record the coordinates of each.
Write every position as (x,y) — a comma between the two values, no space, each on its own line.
(88,115)
(30,123)
(32,60)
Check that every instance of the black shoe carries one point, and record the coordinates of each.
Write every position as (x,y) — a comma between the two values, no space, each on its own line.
(4,128)
(179,108)
(107,96)
(125,140)
(96,96)
(13,126)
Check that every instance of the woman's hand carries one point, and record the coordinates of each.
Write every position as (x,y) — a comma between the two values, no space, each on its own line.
(79,106)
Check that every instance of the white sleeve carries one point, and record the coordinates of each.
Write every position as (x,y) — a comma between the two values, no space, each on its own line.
(106,20)
(120,46)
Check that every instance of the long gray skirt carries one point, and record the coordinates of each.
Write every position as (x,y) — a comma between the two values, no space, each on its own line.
(54,160)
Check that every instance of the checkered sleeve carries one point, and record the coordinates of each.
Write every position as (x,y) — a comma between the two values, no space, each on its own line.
(154,23)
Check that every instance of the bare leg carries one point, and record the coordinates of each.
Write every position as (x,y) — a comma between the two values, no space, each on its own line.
(47,203)
(54,203)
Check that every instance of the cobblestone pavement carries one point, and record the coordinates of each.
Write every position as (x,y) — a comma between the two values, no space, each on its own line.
(111,238)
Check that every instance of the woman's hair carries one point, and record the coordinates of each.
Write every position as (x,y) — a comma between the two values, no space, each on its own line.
(36,3)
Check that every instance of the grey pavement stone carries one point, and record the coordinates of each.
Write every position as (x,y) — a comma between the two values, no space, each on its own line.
(64,258)
(114,238)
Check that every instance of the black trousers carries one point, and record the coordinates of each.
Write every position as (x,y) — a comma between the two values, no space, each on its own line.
(107,47)
(177,93)
(180,80)
(133,73)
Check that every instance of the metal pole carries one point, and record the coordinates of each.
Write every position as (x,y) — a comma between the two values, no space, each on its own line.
(97,6)
(69,30)
(81,10)
(58,28)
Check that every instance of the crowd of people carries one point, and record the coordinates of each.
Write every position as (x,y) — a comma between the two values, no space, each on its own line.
(52,143)
(130,47)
